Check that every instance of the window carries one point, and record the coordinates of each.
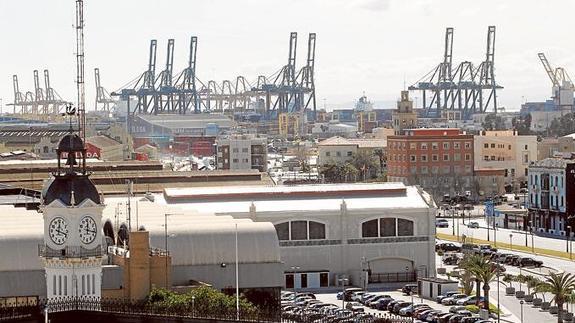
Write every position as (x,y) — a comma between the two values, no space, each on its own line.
(526,147)
(467,169)
(93,284)
(235,160)
(412,146)
(54,285)
(244,150)
(316,230)
(369,229)
(45,149)
(486,158)
(413,170)
(404,227)
(412,158)
(457,157)
(299,230)
(456,145)
(446,169)
(467,145)
(424,158)
(509,147)
(492,157)
(434,158)
(525,158)
(423,146)
(434,145)
(467,157)
(235,150)
(492,145)
(445,157)
(387,227)
(445,145)
(349,153)
(434,169)
(485,145)
(327,154)
(282,230)
(83,285)
(338,153)
(88,289)
(246,160)
(424,169)
(456,169)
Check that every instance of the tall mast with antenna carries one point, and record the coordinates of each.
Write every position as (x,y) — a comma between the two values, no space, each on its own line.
(80,68)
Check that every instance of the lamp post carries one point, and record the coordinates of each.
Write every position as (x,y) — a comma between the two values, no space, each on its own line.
(343,282)
(568,233)
(295,270)
(532,240)
(193,306)
(238,279)
(511,241)
(498,304)
(452,219)
(521,302)
(166,247)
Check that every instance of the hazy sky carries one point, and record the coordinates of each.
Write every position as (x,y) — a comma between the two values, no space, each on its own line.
(362,45)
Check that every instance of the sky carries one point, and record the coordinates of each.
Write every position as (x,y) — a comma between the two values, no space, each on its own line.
(371,46)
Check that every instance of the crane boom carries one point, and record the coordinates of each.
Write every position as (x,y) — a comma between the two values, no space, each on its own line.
(548,69)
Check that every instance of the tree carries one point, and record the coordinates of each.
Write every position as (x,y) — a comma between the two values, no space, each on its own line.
(484,273)
(493,122)
(561,286)
(365,162)
(508,279)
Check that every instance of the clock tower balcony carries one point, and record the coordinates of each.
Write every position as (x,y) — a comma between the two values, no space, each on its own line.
(70,252)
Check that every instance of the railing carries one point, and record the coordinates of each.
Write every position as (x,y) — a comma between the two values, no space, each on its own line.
(142,311)
(392,277)
(69,252)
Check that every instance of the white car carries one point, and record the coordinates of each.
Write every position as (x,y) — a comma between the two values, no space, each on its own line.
(354,307)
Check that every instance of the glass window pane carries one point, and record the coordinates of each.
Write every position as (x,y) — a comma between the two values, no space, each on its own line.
(299,230)
(404,227)
(387,227)
(282,230)
(316,230)
(369,229)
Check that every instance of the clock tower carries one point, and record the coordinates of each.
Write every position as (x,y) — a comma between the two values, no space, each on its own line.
(72,210)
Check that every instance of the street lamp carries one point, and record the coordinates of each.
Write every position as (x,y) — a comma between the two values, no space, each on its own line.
(568,233)
(343,282)
(511,241)
(295,270)
(193,306)
(498,304)
(521,302)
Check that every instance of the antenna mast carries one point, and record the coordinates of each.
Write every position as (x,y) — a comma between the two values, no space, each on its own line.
(80,68)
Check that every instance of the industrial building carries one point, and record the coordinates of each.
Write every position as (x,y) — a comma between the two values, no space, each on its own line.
(328,232)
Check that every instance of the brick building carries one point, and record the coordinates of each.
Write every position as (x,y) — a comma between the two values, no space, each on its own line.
(440,160)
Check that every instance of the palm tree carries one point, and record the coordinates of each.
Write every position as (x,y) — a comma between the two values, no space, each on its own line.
(508,279)
(561,286)
(484,272)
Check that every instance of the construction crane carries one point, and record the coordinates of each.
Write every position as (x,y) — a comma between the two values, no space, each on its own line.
(562,85)
(103,98)
(458,93)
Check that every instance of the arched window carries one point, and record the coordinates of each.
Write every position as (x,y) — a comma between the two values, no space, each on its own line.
(386,227)
(300,230)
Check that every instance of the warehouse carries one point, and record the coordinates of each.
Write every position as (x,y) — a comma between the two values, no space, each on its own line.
(330,232)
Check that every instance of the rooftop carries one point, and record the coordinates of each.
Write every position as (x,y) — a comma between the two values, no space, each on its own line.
(228,200)
(359,142)
(178,121)
(552,163)
(102,141)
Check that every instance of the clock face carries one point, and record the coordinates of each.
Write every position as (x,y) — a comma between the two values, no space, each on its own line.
(58,230)
(87,230)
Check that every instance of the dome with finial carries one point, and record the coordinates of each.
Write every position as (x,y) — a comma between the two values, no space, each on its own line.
(71,142)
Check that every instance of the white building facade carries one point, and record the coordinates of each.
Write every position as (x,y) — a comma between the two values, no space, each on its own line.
(326,233)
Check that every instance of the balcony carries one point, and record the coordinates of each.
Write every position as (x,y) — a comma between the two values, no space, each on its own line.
(69,252)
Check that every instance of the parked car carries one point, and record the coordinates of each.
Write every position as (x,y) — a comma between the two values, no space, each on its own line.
(375,300)
(452,300)
(445,295)
(469,248)
(471,319)
(391,304)
(354,307)
(470,300)
(399,306)
(455,309)
(447,246)
(409,289)
(356,296)
(529,262)
(484,247)
(473,225)
(511,259)
(451,259)
(441,223)
(408,311)
(382,303)
(444,317)
(498,267)
(349,291)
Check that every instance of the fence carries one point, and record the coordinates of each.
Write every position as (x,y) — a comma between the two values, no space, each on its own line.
(93,309)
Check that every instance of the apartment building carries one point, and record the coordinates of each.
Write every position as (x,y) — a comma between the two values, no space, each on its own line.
(438,159)
(505,150)
(241,152)
(551,195)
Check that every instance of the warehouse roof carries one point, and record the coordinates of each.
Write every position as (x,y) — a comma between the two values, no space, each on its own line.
(177,121)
